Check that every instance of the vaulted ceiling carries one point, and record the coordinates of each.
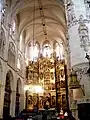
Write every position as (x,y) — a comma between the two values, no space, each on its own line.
(41,19)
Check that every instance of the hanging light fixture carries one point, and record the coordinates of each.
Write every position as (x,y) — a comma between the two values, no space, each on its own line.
(74,83)
(32,64)
(33,30)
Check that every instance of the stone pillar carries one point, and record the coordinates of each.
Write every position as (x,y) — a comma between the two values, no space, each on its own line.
(79,44)
(2,86)
(21,102)
(12,105)
(1,100)
(74,109)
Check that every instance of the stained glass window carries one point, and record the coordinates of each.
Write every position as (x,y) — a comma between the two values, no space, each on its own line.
(20,42)
(46,50)
(59,51)
(33,52)
(18,64)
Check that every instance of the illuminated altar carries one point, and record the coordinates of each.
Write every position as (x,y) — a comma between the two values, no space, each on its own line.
(42,72)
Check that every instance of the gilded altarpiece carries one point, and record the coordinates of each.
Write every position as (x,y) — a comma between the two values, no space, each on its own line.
(43,72)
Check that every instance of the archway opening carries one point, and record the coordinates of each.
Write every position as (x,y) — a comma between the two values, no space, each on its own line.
(7,95)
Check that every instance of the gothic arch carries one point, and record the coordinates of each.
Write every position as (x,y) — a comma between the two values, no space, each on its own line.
(59,49)
(46,42)
(54,44)
(46,47)
(37,43)
(7,93)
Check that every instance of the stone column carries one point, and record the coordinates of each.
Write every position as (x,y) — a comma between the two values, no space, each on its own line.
(1,100)
(2,86)
(12,105)
(21,102)
(79,42)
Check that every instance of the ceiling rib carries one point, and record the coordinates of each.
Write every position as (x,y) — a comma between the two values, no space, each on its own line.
(42,18)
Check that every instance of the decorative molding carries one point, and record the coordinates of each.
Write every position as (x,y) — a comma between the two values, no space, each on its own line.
(77,21)
(71,18)
(2,42)
(83,34)
(87,6)
(83,100)
(81,69)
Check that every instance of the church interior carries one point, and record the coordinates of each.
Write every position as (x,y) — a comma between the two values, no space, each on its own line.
(45,56)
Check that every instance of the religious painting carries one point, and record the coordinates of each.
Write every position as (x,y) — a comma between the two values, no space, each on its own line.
(41,66)
(58,85)
(58,77)
(29,99)
(41,102)
(30,102)
(53,86)
(34,100)
(62,73)
(53,101)
(30,75)
(52,75)
(64,101)
(51,65)
(41,76)
(49,87)
(62,84)
(47,75)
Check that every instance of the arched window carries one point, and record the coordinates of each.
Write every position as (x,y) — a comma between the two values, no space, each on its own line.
(19,62)
(46,49)
(33,51)
(20,42)
(59,51)
(7,94)
(13,26)
(2,42)
(36,51)
(11,54)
